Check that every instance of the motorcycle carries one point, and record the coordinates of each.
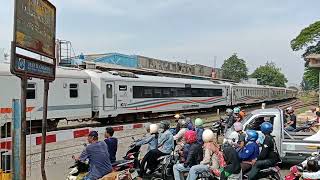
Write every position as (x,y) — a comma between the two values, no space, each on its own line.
(218,127)
(269,173)
(79,169)
(297,170)
(306,126)
(126,167)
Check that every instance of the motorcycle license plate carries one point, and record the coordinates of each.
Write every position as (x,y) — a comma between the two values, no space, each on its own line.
(134,174)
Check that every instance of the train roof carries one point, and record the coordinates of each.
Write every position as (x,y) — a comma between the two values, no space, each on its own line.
(147,78)
(61,72)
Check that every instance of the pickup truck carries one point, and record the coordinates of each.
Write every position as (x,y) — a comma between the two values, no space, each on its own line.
(292,146)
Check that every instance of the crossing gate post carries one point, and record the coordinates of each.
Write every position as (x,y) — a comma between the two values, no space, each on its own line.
(16,139)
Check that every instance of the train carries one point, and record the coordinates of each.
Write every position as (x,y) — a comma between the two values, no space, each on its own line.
(123,96)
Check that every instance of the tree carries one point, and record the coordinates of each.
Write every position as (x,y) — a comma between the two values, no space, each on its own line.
(309,39)
(307,36)
(271,75)
(310,80)
(234,68)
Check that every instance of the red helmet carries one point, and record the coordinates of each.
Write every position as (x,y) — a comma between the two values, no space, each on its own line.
(190,136)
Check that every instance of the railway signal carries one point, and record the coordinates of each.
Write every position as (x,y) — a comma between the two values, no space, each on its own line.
(34,30)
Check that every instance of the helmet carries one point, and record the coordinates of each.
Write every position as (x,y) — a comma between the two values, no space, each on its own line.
(229,111)
(252,135)
(190,136)
(147,127)
(188,120)
(238,126)
(153,128)
(165,125)
(266,127)
(207,135)
(312,165)
(182,123)
(198,122)
(236,110)
(177,116)
(289,109)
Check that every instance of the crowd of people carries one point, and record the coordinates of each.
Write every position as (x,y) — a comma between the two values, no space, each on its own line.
(195,149)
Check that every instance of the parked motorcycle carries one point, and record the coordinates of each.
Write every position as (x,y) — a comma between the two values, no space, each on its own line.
(306,126)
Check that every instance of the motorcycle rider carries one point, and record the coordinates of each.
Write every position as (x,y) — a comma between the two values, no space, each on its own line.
(99,159)
(179,137)
(112,143)
(230,119)
(291,125)
(189,123)
(152,139)
(194,155)
(165,147)
(199,129)
(311,164)
(232,170)
(213,158)
(268,156)
(237,137)
(249,152)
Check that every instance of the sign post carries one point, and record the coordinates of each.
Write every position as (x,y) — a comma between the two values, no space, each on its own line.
(34,30)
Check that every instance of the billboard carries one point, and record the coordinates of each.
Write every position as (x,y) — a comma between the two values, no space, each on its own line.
(35,26)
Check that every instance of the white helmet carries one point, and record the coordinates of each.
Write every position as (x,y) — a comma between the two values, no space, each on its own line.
(153,128)
(289,109)
(207,135)
(177,116)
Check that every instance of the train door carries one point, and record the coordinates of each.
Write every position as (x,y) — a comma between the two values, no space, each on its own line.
(109,98)
(229,95)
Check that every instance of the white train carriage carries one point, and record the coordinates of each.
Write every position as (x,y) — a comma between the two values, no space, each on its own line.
(249,94)
(69,95)
(115,95)
(278,93)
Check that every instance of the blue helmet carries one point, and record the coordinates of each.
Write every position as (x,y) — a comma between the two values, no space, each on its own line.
(252,135)
(266,128)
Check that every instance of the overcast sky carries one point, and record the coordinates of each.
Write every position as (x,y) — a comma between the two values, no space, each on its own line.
(180,30)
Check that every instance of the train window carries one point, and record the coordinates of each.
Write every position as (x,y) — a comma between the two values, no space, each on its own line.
(188,92)
(173,92)
(148,92)
(31,91)
(217,92)
(195,92)
(122,88)
(73,90)
(137,92)
(157,93)
(181,92)
(166,92)
(109,91)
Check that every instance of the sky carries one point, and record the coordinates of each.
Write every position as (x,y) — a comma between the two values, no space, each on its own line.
(183,30)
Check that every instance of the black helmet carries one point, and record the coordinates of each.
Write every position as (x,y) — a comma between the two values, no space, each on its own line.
(165,125)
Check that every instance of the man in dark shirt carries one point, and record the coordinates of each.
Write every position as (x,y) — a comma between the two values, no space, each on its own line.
(97,154)
(268,156)
(291,125)
(112,143)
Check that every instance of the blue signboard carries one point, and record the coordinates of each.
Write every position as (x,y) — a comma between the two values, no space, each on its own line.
(25,66)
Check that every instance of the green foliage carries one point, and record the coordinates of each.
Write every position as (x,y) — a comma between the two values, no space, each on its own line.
(307,36)
(269,74)
(310,79)
(234,68)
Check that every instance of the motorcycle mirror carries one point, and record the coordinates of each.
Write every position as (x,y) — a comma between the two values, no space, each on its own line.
(85,144)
